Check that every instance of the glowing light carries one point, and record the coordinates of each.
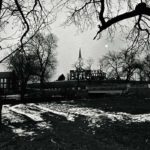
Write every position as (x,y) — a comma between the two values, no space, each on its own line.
(106,46)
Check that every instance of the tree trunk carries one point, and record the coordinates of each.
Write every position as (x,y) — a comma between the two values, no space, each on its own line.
(118,77)
(41,83)
(23,90)
(42,86)
(128,75)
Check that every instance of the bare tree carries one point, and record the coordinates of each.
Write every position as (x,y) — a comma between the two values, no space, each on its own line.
(24,67)
(140,71)
(130,62)
(20,20)
(101,64)
(110,15)
(146,66)
(89,62)
(112,61)
(43,48)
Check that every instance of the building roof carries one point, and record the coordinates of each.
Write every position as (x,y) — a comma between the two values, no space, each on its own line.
(6,74)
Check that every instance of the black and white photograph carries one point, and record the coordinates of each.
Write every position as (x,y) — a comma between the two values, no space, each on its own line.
(74,74)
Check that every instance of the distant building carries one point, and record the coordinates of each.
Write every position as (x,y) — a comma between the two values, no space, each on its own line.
(83,74)
(87,75)
(8,81)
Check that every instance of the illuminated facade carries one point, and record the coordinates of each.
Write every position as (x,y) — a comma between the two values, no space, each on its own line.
(83,74)
(87,75)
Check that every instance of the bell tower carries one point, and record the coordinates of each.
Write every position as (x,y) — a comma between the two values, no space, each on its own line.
(80,56)
(79,64)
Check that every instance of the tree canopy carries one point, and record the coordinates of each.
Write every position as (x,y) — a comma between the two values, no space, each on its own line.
(24,67)
(43,47)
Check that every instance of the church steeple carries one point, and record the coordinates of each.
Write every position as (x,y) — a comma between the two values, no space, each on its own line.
(79,63)
(80,56)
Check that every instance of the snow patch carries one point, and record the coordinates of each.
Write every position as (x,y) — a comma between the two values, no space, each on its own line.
(22,132)
(23,110)
(44,125)
(70,112)
(69,116)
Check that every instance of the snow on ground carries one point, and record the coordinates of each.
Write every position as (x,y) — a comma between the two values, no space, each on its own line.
(58,109)
(10,116)
(67,110)
(22,132)
(70,111)
(33,111)
(18,114)
(26,111)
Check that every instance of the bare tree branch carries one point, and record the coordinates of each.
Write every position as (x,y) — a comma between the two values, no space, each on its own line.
(24,19)
(110,14)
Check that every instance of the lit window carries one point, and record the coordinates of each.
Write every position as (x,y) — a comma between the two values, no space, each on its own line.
(5,80)
(5,86)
